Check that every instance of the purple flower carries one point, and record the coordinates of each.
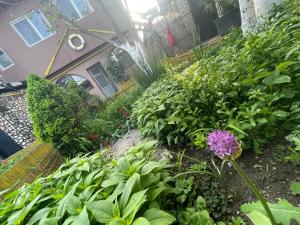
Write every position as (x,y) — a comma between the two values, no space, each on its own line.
(223,143)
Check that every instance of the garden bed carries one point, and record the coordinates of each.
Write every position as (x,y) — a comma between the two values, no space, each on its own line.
(271,173)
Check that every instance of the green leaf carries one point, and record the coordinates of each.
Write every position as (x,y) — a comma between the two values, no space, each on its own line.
(280,113)
(62,205)
(159,217)
(18,217)
(103,210)
(234,127)
(83,218)
(141,221)
(118,221)
(295,187)
(49,221)
(293,157)
(73,205)
(283,211)
(276,78)
(39,215)
(258,218)
(135,202)
(149,167)
(131,182)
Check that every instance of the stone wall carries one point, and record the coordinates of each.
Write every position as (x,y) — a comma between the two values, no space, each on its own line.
(14,118)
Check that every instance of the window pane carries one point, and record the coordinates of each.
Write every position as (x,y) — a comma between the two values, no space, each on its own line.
(4,60)
(27,32)
(38,21)
(82,6)
(67,9)
(99,74)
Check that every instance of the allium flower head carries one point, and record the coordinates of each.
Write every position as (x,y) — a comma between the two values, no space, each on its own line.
(223,143)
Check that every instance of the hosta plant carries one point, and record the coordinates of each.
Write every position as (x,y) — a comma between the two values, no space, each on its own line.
(100,190)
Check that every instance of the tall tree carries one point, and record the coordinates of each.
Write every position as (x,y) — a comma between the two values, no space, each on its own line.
(253,13)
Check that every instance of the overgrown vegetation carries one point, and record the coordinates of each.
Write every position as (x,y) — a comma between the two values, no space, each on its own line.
(75,121)
(247,86)
(135,189)
(112,122)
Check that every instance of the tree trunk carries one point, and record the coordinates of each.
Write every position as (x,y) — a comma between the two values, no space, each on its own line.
(248,16)
(262,7)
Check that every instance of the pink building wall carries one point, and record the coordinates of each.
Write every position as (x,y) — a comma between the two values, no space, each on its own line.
(35,59)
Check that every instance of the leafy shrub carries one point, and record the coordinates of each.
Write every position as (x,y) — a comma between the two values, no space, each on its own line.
(247,86)
(112,122)
(57,114)
(135,189)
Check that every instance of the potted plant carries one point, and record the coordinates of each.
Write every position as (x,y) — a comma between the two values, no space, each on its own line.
(228,13)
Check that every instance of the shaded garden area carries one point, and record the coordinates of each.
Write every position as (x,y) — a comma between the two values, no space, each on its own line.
(240,97)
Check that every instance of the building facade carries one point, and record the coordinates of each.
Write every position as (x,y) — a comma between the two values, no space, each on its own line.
(39,37)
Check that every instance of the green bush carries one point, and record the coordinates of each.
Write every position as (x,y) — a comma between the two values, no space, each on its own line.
(112,122)
(247,86)
(57,114)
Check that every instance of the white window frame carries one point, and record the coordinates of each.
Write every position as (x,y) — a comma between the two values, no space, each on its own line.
(12,23)
(76,9)
(12,62)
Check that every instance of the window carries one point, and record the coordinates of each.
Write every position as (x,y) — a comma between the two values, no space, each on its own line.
(99,74)
(33,27)
(74,9)
(79,80)
(5,61)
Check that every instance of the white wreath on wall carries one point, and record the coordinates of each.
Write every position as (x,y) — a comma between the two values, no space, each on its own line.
(81,39)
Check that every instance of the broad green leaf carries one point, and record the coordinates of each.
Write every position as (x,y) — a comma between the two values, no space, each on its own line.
(69,220)
(141,221)
(87,193)
(82,219)
(118,190)
(18,217)
(73,205)
(280,113)
(135,202)
(149,167)
(131,182)
(118,221)
(283,211)
(258,218)
(62,206)
(39,215)
(295,187)
(49,221)
(103,210)
(159,217)
(281,79)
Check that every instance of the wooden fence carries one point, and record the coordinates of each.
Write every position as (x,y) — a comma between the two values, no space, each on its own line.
(39,159)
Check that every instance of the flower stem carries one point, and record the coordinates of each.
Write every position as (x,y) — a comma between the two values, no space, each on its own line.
(255,190)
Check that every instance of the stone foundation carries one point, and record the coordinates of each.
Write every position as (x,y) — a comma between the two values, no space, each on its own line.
(14,118)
